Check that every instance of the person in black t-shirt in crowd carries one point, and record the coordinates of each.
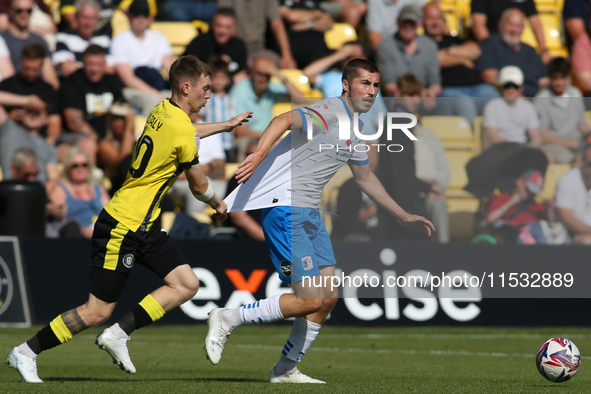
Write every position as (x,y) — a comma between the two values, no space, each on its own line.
(486,15)
(86,97)
(221,41)
(305,23)
(28,82)
(459,77)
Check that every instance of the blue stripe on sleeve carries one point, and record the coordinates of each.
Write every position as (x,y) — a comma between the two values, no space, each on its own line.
(359,163)
(305,124)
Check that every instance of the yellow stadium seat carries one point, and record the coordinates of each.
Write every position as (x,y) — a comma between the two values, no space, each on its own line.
(297,78)
(462,213)
(119,22)
(230,170)
(553,31)
(330,193)
(553,173)
(339,34)
(453,20)
(453,131)
(281,108)
(457,160)
(167,220)
(588,117)
(180,34)
(138,126)
(478,133)
(1,175)
(202,26)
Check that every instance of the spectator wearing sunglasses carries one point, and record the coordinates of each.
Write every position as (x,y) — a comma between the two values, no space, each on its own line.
(78,193)
(19,34)
(511,118)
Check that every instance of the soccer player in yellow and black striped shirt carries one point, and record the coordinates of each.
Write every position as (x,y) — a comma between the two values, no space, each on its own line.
(127,232)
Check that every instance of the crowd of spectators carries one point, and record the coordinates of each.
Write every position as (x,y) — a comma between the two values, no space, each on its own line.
(69,91)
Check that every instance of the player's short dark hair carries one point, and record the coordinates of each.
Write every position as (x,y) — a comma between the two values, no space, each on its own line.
(409,85)
(217,64)
(187,67)
(33,51)
(95,50)
(225,11)
(559,65)
(353,67)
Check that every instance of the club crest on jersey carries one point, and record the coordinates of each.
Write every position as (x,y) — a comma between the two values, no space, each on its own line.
(128,260)
(285,268)
(307,263)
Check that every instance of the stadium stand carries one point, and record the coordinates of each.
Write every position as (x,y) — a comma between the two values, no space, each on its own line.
(179,34)
(119,22)
(553,173)
(553,32)
(453,131)
(459,179)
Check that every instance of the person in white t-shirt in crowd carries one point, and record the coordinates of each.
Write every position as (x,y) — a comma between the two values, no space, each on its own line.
(511,118)
(573,199)
(139,53)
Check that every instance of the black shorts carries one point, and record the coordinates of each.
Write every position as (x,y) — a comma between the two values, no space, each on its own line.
(116,250)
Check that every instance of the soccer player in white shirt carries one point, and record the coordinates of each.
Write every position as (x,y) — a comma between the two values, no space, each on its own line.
(287,183)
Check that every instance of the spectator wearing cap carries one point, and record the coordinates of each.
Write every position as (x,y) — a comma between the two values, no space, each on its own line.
(573,199)
(28,82)
(562,114)
(221,41)
(511,117)
(71,45)
(382,18)
(506,49)
(487,13)
(407,52)
(19,34)
(138,54)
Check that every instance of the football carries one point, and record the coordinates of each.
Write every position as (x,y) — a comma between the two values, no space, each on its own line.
(558,359)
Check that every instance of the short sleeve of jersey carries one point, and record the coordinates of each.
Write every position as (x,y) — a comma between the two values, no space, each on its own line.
(188,148)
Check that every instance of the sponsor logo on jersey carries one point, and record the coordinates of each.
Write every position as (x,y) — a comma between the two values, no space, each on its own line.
(285,268)
(307,263)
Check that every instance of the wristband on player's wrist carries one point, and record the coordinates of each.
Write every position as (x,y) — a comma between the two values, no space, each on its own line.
(208,195)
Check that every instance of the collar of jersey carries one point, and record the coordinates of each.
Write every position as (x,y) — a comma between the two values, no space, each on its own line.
(346,108)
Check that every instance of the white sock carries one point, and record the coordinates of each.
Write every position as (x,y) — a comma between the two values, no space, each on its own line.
(26,351)
(259,312)
(117,331)
(303,334)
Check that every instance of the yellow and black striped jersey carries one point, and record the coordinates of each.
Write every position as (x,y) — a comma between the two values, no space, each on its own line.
(168,145)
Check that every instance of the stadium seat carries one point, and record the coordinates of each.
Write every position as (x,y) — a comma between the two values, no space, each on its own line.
(453,20)
(478,133)
(462,213)
(553,173)
(330,193)
(280,108)
(230,170)
(297,78)
(138,126)
(588,117)
(339,34)
(453,131)
(457,160)
(119,22)
(167,220)
(1,175)
(553,31)
(202,26)
(180,34)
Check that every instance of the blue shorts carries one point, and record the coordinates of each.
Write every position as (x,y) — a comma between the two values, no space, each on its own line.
(298,242)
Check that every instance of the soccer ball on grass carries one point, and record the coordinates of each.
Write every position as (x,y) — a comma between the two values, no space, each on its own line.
(558,359)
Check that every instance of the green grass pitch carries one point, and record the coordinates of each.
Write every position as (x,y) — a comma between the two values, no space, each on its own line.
(170,359)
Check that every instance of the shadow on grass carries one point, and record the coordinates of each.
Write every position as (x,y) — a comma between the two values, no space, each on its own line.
(228,380)
(548,386)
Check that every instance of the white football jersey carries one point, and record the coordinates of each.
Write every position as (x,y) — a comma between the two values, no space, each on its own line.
(296,171)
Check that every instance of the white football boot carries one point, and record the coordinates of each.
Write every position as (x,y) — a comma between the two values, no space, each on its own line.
(217,335)
(295,377)
(26,366)
(117,349)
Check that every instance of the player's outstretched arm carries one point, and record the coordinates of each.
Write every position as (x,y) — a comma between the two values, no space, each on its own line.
(203,192)
(279,125)
(371,186)
(207,129)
